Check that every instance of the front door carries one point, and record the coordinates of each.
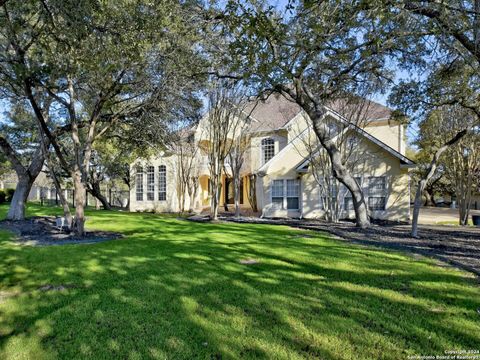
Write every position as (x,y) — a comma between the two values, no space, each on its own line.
(229,194)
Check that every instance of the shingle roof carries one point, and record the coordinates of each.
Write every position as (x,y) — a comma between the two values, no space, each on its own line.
(274,112)
(271,113)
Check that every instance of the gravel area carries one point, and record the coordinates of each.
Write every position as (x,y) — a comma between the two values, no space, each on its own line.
(457,246)
(41,231)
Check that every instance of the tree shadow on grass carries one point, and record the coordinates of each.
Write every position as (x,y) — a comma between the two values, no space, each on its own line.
(171,290)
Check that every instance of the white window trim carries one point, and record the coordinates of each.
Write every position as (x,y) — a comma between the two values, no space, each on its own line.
(158,181)
(275,150)
(146,173)
(385,194)
(284,202)
(136,183)
(298,196)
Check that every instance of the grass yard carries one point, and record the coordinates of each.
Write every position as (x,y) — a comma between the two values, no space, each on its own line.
(175,289)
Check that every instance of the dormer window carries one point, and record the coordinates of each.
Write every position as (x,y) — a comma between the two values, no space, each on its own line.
(268,149)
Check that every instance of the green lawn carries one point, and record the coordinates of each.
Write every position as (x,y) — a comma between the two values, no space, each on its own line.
(453,223)
(175,289)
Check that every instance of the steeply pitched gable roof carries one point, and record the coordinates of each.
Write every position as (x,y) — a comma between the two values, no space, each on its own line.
(404,161)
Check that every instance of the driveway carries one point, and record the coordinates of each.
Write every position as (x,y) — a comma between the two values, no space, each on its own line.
(438,215)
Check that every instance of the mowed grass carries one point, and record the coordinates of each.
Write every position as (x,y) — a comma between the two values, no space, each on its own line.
(172,289)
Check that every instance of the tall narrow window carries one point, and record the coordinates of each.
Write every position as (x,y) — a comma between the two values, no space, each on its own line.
(277,193)
(268,149)
(293,194)
(150,183)
(376,193)
(162,183)
(139,183)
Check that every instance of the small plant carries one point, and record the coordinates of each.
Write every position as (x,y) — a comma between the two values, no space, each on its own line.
(9,194)
(2,196)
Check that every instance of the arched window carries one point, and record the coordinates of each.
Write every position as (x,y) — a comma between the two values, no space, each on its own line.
(162,183)
(268,149)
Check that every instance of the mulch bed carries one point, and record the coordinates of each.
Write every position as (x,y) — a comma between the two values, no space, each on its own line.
(457,246)
(41,230)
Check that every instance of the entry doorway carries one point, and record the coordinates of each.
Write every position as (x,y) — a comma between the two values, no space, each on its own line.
(229,194)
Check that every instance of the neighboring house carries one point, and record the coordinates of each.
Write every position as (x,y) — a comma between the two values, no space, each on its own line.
(278,161)
(43,191)
(10,180)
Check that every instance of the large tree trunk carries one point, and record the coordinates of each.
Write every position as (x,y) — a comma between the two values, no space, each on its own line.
(216,186)
(464,195)
(225,193)
(126,180)
(252,192)
(79,223)
(342,174)
(236,195)
(19,200)
(429,200)
(194,195)
(464,211)
(94,189)
(26,178)
(215,201)
(418,199)
(316,112)
(424,181)
(66,208)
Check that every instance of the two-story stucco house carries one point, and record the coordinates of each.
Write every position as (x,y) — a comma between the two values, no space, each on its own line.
(278,162)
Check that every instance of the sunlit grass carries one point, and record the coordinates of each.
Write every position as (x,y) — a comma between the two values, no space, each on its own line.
(453,223)
(175,289)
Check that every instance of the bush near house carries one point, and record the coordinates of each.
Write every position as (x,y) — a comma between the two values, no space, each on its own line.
(9,194)
(2,196)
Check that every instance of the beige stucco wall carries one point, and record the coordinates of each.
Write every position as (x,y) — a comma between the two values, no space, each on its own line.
(171,203)
(397,192)
(235,127)
(390,132)
(374,162)
(255,150)
(291,149)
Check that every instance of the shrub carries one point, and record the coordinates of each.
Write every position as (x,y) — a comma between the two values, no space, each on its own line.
(9,194)
(2,196)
